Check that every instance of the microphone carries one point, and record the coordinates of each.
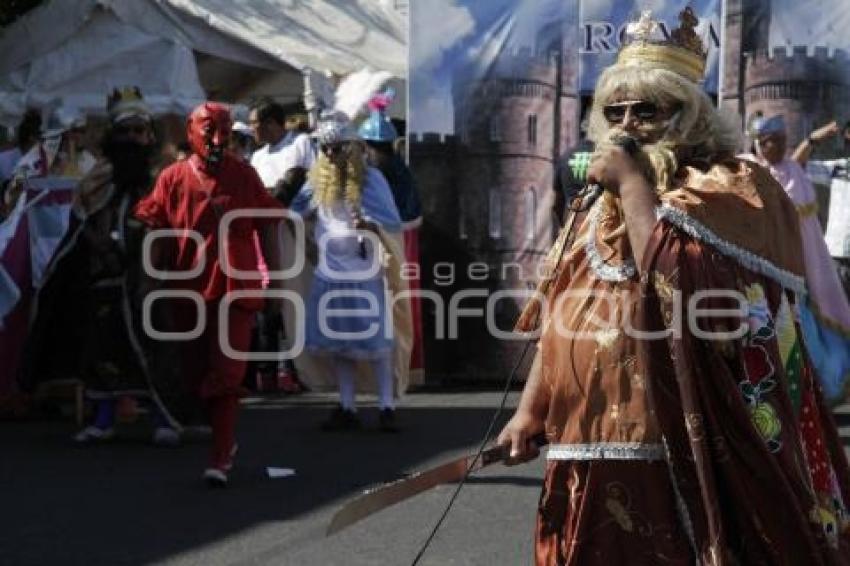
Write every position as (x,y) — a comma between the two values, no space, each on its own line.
(628,144)
(593,191)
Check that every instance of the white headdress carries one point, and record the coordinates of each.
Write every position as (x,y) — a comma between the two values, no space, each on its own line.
(339,112)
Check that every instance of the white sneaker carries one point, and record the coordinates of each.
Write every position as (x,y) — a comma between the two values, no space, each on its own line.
(92,434)
(166,436)
(215,477)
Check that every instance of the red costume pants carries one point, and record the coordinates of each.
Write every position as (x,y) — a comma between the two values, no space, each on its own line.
(213,375)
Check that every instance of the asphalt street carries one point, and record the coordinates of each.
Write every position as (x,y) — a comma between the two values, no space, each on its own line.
(128,502)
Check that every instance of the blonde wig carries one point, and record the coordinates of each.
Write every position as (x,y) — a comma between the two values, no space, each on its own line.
(331,184)
(697,131)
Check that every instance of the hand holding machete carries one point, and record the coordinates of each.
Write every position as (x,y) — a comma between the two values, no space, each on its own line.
(381,497)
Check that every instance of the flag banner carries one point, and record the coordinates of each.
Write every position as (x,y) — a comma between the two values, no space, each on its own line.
(29,238)
(48,219)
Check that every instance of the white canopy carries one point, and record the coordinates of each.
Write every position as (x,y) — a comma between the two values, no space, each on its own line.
(180,52)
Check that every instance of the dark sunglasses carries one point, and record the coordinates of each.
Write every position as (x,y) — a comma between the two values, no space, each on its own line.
(643,111)
(125,130)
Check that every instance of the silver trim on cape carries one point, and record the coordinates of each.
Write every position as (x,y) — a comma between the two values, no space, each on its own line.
(606,451)
(603,271)
(746,258)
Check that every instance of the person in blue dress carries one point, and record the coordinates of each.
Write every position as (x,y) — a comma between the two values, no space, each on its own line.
(348,311)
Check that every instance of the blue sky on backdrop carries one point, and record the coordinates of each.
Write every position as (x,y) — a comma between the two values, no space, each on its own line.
(448,33)
(810,22)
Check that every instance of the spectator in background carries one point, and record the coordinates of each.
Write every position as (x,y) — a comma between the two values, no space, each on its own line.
(28,134)
(297,123)
(242,141)
(379,134)
(831,309)
(834,173)
(60,152)
(72,159)
(280,149)
(282,162)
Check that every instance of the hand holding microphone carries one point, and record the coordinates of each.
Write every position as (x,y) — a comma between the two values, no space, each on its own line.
(614,165)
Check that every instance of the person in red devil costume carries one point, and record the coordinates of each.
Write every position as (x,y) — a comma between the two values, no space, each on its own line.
(194,195)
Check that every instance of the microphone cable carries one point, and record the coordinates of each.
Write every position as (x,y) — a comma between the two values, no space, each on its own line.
(587,197)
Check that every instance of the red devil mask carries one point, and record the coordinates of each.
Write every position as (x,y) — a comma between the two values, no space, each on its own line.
(208,130)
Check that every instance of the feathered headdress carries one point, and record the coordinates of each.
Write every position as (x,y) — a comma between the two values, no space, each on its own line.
(348,104)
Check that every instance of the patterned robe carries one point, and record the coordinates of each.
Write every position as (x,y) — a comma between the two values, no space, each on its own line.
(686,420)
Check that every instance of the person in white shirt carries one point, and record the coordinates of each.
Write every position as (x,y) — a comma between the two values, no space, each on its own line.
(282,163)
(280,150)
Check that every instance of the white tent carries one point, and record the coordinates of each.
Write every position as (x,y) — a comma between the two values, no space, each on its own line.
(182,51)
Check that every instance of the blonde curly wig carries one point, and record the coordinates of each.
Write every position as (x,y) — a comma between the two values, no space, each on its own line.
(699,132)
(330,184)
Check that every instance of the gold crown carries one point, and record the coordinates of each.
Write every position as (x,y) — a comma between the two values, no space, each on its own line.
(125,103)
(683,53)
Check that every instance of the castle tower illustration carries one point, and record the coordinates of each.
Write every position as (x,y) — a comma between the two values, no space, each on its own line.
(747,26)
(487,191)
(809,87)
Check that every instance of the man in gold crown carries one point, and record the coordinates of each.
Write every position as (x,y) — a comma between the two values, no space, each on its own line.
(672,381)
(90,286)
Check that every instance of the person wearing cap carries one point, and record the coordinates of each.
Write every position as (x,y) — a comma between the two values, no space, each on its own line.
(830,320)
(379,134)
(194,197)
(685,420)
(92,286)
(347,309)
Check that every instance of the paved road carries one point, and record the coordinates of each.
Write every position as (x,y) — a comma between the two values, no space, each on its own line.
(131,503)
